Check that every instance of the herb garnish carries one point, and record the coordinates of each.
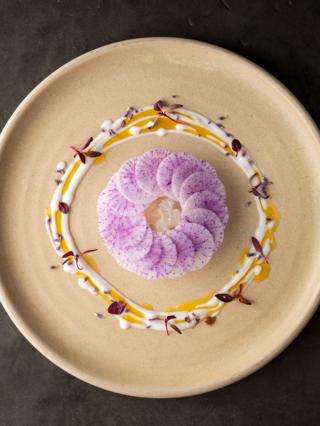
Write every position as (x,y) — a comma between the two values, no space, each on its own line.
(116,308)
(226,297)
(82,154)
(63,207)
(76,256)
(173,326)
(238,295)
(258,248)
(260,190)
(236,146)
(164,109)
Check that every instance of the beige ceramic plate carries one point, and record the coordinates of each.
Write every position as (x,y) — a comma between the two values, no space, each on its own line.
(57,316)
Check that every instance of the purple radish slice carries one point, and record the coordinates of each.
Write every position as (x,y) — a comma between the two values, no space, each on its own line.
(168,256)
(209,220)
(121,232)
(128,185)
(110,197)
(208,200)
(185,253)
(166,169)
(146,170)
(166,263)
(203,243)
(200,181)
(146,267)
(207,167)
(186,169)
(136,252)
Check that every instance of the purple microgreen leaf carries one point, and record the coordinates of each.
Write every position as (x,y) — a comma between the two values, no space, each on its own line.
(87,143)
(116,308)
(92,154)
(244,300)
(171,108)
(175,328)
(88,251)
(82,157)
(68,254)
(257,246)
(236,146)
(166,320)
(224,297)
(158,105)
(63,207)
(76,258)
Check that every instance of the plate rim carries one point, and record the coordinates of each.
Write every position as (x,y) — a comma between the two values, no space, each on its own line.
(47,350)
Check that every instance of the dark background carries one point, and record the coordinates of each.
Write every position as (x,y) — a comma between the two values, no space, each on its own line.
(36,37)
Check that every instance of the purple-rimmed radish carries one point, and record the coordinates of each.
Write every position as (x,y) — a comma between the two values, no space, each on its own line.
(209,220)
(201,181)
(128,185)
(112,199)
(202,241)
(186,169)
(119,233)
(185,253)
(208,200)
(166,169)
(146,170)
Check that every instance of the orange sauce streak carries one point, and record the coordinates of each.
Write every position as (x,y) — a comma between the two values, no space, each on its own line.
(192,305)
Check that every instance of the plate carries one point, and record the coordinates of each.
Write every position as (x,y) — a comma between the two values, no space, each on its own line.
(47,305)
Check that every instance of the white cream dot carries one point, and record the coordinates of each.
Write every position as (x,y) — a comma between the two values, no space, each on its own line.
(257,270)
(61,166)
(161,132)
(135,130)
(124,324)
(106,124)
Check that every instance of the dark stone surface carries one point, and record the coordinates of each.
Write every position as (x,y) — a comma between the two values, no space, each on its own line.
(36,37)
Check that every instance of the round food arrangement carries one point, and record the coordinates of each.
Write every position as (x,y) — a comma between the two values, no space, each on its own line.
(162,215)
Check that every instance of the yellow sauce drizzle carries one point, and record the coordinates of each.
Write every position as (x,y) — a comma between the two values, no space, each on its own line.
(191,305)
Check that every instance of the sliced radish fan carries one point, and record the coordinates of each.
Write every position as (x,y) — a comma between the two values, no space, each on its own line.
(134,242)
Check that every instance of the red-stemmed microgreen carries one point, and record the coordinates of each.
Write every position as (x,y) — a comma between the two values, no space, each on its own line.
(82,153)
(63,207)
(258,248)
(116,308)
(164,109)
(224,297)
(236,146)
(238,295)
(261,189)
(76,256)
(167,322)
